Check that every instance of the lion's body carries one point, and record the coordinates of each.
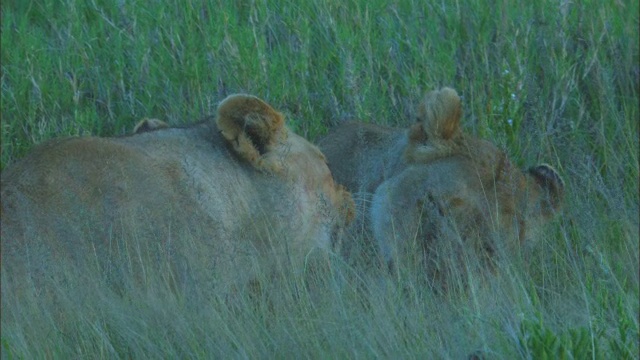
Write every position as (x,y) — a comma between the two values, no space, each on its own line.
(431,184)
(180,201)
(363,155)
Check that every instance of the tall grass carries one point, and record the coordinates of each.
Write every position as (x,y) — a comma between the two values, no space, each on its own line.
(549,81)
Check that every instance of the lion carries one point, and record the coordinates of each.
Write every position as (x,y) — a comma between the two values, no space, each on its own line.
(432,186)
(214,205)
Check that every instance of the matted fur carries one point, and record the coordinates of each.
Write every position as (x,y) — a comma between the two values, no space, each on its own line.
(201,205)
(432,184)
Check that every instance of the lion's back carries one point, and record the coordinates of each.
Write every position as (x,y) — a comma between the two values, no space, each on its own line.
(168,195)
(362,155)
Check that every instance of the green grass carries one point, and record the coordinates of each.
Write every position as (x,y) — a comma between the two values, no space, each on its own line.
(549,81)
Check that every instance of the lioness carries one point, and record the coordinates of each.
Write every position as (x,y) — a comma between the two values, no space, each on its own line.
(215,203)
(432,185)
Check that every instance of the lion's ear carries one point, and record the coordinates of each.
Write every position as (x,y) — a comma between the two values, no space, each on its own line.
(552,188)
(252,126)
(146,125)
(438,126)
(439,113)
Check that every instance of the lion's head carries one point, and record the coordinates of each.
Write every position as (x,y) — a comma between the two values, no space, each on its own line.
(433,184)
(458,188)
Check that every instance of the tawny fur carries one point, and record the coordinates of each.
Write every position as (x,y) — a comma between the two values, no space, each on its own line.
(253,128)
(172,204)
(437,132)
(440,113)
(432,184)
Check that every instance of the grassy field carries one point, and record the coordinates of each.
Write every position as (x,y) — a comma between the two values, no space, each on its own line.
(549,81)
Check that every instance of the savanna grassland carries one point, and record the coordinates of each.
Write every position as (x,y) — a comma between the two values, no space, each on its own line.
(548,81)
